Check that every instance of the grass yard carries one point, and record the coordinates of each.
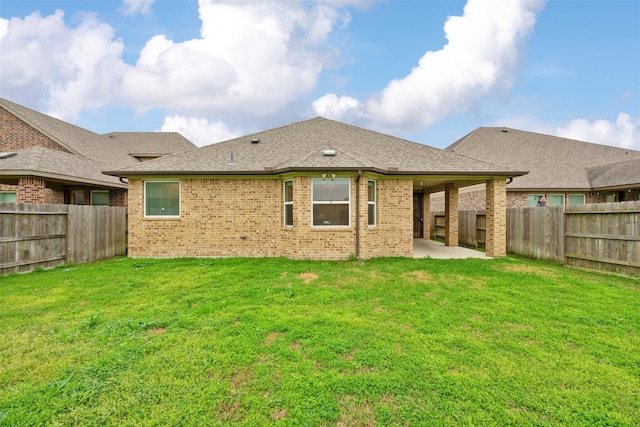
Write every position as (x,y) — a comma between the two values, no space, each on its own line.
(198,342)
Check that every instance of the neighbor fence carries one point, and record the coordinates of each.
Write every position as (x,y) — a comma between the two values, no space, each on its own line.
(46,236)
(603,236)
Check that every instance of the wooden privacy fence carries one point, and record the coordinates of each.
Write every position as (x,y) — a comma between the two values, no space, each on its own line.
(603,236)
(46,236)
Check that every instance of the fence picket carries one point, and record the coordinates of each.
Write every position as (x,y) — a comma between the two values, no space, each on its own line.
(46,236)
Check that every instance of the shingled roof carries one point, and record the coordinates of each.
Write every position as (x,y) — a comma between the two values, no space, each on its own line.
(56,165)
(91,152)
(303,146)
(553,162)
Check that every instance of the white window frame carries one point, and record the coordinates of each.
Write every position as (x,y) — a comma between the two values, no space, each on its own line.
(102,192)
(287,202)
(584,199)
(564,202)
(372,203)
(348,203)
(15,195)
(172,181)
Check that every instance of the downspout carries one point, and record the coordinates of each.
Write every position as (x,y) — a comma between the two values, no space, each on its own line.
(358,214)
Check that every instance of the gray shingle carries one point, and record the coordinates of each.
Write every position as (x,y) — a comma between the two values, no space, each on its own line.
(553,162)
(57,165)
(109,151)
(299,147)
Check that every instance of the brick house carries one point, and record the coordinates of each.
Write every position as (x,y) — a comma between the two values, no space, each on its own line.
(316,189)
(46,160)
(565,171)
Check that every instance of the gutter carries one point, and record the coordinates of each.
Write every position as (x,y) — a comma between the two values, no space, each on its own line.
(358,214)
(278,171)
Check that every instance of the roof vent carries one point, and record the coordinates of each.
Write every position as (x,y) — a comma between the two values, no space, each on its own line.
(255,141)
(7,154)
(504,131)
(328,152)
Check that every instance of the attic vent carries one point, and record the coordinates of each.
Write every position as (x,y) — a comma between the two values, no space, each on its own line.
(7,154)
(504,131)
(255,141)
(328,152)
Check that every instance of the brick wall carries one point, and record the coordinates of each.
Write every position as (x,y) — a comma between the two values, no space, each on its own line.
(393,232)
(496,225)
(244,217)
(34,190)
(118,197)
(16,134)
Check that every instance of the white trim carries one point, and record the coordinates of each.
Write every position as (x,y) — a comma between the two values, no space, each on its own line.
(374,203)
(144,200)
(285,203)
(313,203)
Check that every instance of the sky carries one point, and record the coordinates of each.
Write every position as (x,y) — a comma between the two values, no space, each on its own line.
(429,71)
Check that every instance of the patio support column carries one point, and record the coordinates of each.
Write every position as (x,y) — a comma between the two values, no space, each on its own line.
(496,209)
(450,215)
(426,215)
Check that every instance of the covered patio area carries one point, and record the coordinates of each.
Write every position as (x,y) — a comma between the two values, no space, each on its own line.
(426,248)
(496,203)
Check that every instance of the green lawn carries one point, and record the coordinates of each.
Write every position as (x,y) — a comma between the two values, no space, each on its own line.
(252,342)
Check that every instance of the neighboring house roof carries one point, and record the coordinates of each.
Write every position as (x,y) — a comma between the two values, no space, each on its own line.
(553,162)
(112,150)
(56,166)
(616,175)
(301,147)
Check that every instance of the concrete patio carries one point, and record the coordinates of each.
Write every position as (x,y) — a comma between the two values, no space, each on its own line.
(425,248)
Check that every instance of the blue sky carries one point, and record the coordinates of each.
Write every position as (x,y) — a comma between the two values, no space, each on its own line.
(430,71)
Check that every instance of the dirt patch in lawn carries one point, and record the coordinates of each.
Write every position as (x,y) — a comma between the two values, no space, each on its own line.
(356,412)
(278,414)
(307,277)
(422,276)
(272,337)
(530,269)
(156,331)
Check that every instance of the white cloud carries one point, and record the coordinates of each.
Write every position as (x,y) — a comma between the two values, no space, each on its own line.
(334,107)
(200,131)
(71,69)
(135,7)
(253,58)
(479,60)
(624,132)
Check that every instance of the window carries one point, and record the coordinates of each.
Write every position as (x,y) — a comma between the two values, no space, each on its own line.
(556,199)
(162,198)
(371,200)
(100,198)
(288,203)
(576,199)
(7,196)
(611,198)
(534,199)
(77,197)
(331,201)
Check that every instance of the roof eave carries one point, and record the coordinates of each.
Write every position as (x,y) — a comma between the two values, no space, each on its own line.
(278,171)
(61,178)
